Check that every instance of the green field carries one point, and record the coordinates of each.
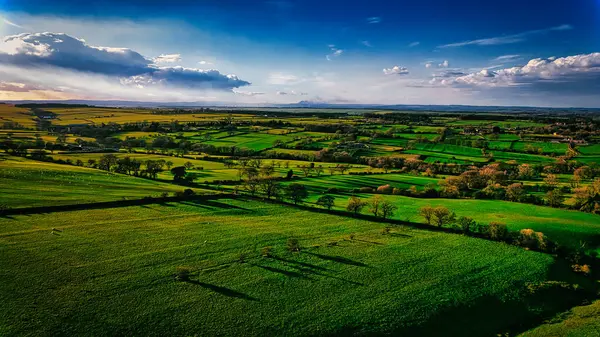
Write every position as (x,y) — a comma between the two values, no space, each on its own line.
(29,183)
(110,272)
(569,228)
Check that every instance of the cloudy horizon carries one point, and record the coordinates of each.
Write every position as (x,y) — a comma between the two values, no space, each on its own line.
(278,52)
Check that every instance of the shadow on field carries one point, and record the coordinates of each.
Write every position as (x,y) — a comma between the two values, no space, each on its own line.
(223,291)
(338,259)
(214,204)
(303,264)
(282,271)
(371,242)
(492,316)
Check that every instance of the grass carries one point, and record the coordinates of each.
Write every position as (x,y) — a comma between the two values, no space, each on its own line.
(253,141)
(28,183)
(110,272)
(579,321)
(569,228)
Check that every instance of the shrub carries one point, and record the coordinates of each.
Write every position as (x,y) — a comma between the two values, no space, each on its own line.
(365,190)
(497,231)
(385,189)
(183,273)
(333,190)
(466,224)
(293,245)
(266,251)
(582,269)
(397,191)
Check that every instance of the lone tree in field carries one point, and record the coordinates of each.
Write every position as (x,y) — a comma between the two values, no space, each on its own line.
(388,209)
(178,173)
(427,213)
(326,201)
(443,216)
(355,205)
(188,165)
(375,205)
(296,192)
(269,186)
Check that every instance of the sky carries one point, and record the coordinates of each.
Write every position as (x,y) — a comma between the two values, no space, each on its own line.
(529,53)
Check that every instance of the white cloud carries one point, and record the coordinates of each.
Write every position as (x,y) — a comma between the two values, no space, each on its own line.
(56,50)
(578,72)
(428,65)
(444,64)
(167,58)
(366,43)
(335,52)
(283,79)
(507,39)
(205,63)
(374,19)
(507,58)
(248,93)
(396,70)
(10,23)
(414,44)
(293,93)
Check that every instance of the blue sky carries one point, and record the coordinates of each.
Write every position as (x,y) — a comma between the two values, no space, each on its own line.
(283,51)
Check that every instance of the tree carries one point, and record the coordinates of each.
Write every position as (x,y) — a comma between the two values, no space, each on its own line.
(251,185)
(355,205)
(296,192)
(497,231)
(526,171)
(343,168)
(551,181)
(269,186)
(169,164)
(306,170)
(442,216)
(466,224)
(188,165)
(107,161)
(554,198)
(289,175)
(388,209)
(427,213)
(326,201)
(319,170)
(515,192)
(331,170)
(375,205)
(267,170)
(178,173)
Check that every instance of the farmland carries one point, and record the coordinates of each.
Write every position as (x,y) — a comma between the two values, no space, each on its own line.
(296,222)
(97,263)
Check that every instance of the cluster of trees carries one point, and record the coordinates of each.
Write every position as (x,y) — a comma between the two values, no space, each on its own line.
(377,205)
(443,217)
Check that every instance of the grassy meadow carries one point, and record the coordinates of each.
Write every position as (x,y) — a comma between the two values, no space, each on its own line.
(90,272)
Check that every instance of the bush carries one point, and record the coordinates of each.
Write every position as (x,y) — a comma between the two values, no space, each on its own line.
(266,251)
(582,269)
(497,231)
(397,191)
(333,190)
(293,245)
(183,274)
(365,190)
(385,189)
